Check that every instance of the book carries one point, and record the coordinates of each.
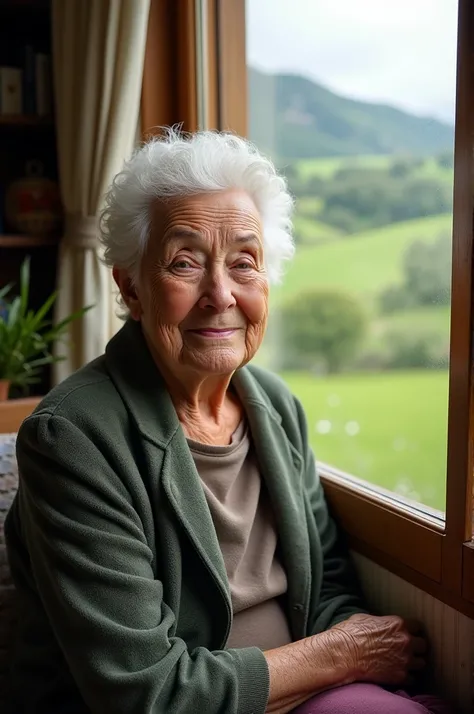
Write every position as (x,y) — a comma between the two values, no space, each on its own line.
(11,99)
(43,85)
(29,80)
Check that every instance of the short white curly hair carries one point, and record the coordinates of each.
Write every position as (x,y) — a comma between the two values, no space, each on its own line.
(177,164)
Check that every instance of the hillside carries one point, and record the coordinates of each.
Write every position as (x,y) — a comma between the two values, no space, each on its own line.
(362,264)
(293,117)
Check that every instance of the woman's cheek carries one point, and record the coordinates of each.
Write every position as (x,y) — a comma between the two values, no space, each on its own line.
(254,302)
(173,302)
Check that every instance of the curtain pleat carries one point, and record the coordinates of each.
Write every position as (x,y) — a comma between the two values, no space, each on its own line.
(98,53)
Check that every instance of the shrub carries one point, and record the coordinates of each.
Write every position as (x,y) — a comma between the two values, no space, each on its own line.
(415,351)
(395,298)
(426,277)
(322,328)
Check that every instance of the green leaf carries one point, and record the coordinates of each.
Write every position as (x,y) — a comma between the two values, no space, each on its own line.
(14,312)
(4,291)
(26,335)
(24,284)
(58,329)
(44,309)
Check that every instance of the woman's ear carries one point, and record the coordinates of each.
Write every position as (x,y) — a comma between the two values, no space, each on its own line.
(128,292)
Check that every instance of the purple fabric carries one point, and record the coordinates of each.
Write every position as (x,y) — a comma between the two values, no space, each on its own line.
(363,698)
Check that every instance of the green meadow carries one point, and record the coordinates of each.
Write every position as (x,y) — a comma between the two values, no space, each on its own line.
(386,428)
(327,167)
(362,263)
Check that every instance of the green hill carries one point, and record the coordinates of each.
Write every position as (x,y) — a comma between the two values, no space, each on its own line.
(364,263)
(326,168)
(293,117)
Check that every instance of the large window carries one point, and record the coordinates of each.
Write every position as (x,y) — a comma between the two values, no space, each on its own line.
(368,109)
(355,103)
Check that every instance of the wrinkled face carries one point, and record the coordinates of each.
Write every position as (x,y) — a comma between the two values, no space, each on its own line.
(202,295)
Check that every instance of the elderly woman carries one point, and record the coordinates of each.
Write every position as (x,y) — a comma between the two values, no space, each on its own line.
(170,541)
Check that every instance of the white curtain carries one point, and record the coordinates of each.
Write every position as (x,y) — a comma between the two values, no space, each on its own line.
(98,52)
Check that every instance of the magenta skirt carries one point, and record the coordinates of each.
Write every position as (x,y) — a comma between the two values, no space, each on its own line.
(363,698)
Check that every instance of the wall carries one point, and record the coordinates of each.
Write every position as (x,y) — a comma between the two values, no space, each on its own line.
(451,634)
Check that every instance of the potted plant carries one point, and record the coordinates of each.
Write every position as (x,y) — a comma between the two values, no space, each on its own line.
(27,336)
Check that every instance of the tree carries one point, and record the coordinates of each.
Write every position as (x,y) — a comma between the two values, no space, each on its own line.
(427,271)
(446,160)
(401,168)
(322,327)
(426,277)
(356,199)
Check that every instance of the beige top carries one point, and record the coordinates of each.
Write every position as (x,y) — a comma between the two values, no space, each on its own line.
(245,527)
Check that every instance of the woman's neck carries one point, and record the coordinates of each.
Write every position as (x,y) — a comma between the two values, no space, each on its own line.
(206,406)
(208,413)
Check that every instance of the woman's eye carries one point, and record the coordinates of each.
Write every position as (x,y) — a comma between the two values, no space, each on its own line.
(243,266)
(182,264)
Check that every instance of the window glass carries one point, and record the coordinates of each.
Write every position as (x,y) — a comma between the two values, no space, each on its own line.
(354,102)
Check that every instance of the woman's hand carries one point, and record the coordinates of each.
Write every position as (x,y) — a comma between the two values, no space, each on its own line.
(364,648)
(384,650)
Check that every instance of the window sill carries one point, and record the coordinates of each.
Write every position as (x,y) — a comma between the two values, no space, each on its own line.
(399,536)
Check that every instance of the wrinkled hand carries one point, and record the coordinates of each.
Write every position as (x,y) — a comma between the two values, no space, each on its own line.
(383,650)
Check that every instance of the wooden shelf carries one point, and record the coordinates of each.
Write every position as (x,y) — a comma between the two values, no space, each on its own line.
(25,5)
(25,120)
(13,241)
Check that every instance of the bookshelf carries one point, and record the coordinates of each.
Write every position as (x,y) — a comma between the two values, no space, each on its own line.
(29,218)
(19,241)
(25,120)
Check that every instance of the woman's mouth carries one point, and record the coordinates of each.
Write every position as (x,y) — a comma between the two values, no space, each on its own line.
(213,333)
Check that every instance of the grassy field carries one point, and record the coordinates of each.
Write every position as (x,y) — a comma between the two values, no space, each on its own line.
(388,428)
(362,263)
(312,232)
(432,319)
(327,167)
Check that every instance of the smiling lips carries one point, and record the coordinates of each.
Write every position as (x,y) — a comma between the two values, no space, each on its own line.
(215,333)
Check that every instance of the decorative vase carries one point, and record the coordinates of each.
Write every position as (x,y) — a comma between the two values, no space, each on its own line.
(33,204)
(4,388)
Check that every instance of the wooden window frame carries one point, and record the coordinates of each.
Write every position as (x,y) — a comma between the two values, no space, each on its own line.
(172,68)
(169,86)
(436,556)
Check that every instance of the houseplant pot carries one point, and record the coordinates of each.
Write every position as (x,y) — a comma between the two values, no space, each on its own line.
(27,336)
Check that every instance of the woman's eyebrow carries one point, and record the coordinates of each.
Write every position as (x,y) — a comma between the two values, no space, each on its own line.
(247,238)
(182,232)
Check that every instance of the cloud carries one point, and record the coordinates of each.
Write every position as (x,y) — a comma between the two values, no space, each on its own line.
(401,53)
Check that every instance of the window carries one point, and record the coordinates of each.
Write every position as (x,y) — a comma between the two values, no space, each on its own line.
(360,325)
(196,74)
(356,105)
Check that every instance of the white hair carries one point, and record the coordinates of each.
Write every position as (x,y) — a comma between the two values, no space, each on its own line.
(177,164)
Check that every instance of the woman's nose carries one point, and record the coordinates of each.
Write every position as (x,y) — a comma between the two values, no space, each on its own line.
(217,293)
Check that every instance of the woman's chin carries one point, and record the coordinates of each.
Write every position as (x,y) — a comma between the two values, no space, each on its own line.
(216,361)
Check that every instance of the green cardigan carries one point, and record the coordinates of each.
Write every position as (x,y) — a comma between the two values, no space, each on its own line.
(125,603)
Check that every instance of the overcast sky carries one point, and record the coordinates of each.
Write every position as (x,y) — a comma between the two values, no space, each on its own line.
(401,52)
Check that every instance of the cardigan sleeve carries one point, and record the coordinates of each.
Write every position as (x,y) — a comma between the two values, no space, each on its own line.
(336,595)
(92,568)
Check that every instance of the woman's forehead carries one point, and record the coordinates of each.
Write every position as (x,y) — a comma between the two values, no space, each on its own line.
(227,211)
